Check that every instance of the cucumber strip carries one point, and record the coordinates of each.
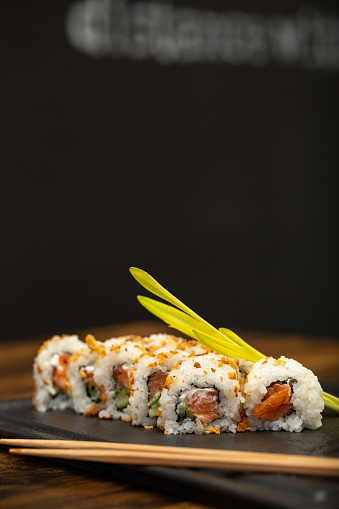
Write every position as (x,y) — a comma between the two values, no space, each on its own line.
(182,408)
(122,397)
(153,408)
(57,392)
(155,402)
(153,412)
(92,392)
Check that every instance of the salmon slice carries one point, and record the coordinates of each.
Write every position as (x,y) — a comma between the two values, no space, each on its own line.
(203,404)
(121,376)
(156,383)
(276,403)
(88,377)
(60,372)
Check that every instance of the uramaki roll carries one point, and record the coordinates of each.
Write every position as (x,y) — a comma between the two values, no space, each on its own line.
(51,385)
(112,375)
(87,398)
(282,394)
(202,394)
(148,377)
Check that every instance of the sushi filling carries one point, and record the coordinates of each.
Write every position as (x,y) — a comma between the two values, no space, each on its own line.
(60,380)
(92,391)
(202,404)
(277,402)
(121,378)
(155,385)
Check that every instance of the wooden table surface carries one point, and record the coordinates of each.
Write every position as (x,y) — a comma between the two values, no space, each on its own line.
(34,482)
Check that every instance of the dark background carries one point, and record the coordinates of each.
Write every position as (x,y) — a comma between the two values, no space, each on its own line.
(216,178)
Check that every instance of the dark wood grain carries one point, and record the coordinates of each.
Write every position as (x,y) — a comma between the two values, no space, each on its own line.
(33,482)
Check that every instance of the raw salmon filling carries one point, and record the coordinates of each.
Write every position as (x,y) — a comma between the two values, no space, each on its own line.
(202,404)
(121,376)
(276,403)
(87,374)
(155,385)
(60,372)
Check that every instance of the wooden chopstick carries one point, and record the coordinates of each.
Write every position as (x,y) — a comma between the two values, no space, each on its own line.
(138,454)
(83,444)
(117,446)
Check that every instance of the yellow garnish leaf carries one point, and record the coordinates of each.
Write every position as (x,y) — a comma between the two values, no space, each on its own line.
(232,335)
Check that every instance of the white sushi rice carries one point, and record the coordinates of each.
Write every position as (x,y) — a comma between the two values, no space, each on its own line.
(306,398)
(199,372)
(158,340)
(192,346)
(45,362)
(121,355)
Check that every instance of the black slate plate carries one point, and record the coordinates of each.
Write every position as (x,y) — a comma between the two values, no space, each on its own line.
(19,420)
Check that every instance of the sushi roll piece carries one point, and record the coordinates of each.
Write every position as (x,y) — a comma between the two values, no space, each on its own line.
(202,394)
(281,394)
(87,398)
(111,377)
(148,377)
(51,384)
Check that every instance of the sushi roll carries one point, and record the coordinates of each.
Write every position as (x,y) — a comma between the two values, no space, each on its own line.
(202,394)
(148,377)
(87,398)
(112,375)
(51,384)
(281,394)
